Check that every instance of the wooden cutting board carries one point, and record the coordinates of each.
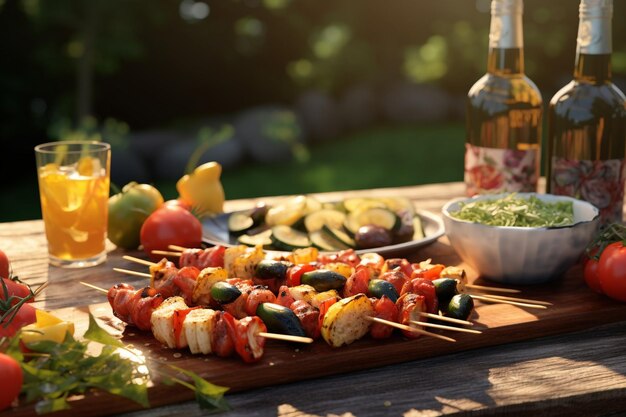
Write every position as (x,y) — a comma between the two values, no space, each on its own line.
(574,307)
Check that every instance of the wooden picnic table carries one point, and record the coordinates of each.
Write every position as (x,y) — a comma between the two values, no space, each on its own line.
(569,359)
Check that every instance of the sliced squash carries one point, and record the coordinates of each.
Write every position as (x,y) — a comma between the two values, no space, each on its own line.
(347,320)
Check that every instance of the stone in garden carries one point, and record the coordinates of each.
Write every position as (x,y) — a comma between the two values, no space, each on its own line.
(320,115)
(358,107)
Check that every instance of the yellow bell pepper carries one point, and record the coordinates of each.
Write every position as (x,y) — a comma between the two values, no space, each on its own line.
(203,189)
(47,327)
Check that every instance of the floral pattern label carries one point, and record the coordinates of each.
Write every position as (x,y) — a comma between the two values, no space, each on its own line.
(494,170)
(599,182)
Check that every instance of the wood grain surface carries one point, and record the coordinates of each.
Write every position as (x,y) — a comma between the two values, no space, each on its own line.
(487,374)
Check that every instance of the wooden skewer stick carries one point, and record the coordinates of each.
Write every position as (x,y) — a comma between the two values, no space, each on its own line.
(40,289)
(266,335)
(441,326)
(138,260)
(165,253)
(129,272)
(411,329)
(494,289)
(499,300)
(86,284)
(521,300)
(444,318)
(287,337)
(177,248)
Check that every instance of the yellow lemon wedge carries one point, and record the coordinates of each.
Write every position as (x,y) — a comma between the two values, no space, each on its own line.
(88,166)
(47,327)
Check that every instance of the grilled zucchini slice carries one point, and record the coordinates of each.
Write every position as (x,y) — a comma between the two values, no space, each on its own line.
(288,238)
(239,222)
(288,212)
(264,239)
(317,219)
(322,240)
(340,235)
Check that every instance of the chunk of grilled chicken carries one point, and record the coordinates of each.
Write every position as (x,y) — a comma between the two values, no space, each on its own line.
(199,328)
(162,321)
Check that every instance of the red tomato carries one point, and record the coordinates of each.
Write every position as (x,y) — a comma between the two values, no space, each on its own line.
(347,256)
(14,288)
(425,288)
(25,315)
(294,274)
(386,310)
(170,226)
(4,265)
(401,264)
(244,334)
(284,297)
(590,273)
(11,382)
(357,282)
(612,271)
(323,307)
(431,273)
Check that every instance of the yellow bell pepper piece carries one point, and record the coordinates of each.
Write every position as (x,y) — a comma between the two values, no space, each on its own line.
(203,189)
(47,327)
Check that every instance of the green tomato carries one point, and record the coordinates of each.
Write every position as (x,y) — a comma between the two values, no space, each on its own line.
(128,210)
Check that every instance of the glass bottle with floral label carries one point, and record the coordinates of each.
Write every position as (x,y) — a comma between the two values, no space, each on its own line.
(587,121)
(504,111)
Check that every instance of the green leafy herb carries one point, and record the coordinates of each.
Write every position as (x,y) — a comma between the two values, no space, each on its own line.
(98,334)
(518,212)
(614,232)
(55,371)
(209,396)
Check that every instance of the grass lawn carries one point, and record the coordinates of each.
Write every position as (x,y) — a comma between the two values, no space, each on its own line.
(380,157)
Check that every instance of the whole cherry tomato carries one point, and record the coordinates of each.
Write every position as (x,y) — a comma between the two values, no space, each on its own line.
(11,381)
(26,314)
(4,265)
(14,289)
(612,271)
(590,273)
(170,225)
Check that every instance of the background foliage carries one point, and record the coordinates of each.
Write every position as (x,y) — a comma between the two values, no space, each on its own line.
(151,64)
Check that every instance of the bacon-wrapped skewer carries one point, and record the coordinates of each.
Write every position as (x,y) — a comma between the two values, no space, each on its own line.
(176,325)
(195,287)
(309,305)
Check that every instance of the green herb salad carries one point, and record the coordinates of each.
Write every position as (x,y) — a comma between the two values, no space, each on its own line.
(515,211)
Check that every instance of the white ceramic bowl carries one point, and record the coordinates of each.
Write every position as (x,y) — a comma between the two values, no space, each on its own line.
(521,255)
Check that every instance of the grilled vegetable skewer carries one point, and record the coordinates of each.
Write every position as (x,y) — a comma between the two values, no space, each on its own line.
(177,325)
(315,310)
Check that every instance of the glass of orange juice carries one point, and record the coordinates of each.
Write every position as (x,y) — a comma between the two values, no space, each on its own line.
(74,179)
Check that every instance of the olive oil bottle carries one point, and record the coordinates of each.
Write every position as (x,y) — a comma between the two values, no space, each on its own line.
(504,112)
(587,121)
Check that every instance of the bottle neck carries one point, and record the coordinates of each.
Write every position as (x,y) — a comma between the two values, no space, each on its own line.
(595,69)
(505,61)
(506,40)
(594,42)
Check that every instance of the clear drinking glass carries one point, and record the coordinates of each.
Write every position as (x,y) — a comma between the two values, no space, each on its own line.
(74,179)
